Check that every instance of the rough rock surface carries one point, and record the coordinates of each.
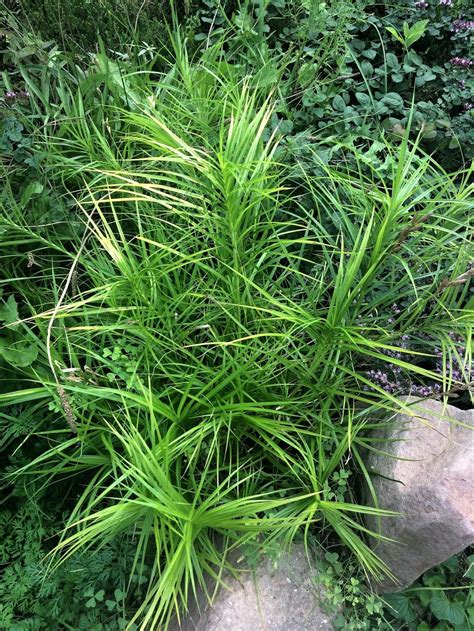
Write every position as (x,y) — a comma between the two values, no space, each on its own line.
(430,481)
(282,597)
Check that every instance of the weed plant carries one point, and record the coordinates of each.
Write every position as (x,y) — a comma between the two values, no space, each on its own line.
(441,599)
(191,340)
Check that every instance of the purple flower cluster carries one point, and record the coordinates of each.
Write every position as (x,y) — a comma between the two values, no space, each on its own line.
(392,379)
(425,391)
(386,379)
(467,107)
(462,62)
(456,371)
(462,25)
(422,4)
(11,95)
(446,3)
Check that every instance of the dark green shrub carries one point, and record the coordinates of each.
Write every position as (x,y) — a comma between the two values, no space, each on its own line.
(350,70)
(442,599)
(86,592)
(341,68)
(77,24)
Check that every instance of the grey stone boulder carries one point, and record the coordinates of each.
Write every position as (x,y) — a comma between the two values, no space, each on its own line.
(424,470)
(276,596)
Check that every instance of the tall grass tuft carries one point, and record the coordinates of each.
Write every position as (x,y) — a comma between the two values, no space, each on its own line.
(206,319)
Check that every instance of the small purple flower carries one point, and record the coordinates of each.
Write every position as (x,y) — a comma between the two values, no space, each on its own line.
(426,391)
(11,95)
(393,379)
(467,107)
(462,25)
(421,4)
(462,62)
(446,3)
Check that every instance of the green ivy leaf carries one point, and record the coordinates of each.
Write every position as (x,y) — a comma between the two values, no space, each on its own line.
(9,311)
(363,98)
(380,108)
(14,131)
(100,595)
(285,127)
(424,597)
(429,75)
(338,103)
(445,609)
(392,61)
(18,354)
(306,74)
(470,570)
(33,188)
(470,614)
(366,68)
(370,53)
(267,76)
(434,580)
(413,59)
(393,101)
(331,557)
(401,606)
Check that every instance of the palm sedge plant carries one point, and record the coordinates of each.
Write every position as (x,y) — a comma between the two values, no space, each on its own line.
(200,335)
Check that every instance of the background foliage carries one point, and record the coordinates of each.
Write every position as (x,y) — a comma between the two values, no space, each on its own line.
(339,67)
(77,25)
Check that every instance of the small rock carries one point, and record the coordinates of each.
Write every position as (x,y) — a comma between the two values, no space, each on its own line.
(275,597)
(427,477)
